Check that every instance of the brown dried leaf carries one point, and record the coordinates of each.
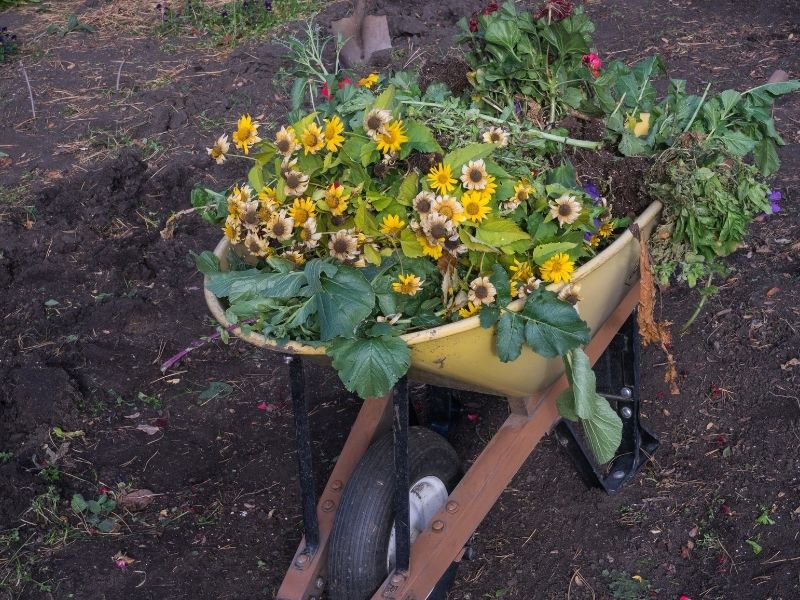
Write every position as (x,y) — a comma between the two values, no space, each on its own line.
(136,499)
(172,222)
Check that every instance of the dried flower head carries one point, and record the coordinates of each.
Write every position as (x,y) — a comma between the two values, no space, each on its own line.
(220,149)
(481,291)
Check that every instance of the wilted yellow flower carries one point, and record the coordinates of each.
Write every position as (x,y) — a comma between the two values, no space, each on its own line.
(407,284)
(473,175)
(521,271)
(302,210)
(566,209)
(481,291)
(469,310)
(429,249)
(336,199)
(285,141)
(496,135)
(375,122)
(220,149)
(450,208)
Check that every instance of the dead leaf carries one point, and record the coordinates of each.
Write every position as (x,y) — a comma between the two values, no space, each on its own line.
(148,429)
(787,366)
(694,531)
(136,499)
(122,560)
(172,222)
(135,415)
(773,291)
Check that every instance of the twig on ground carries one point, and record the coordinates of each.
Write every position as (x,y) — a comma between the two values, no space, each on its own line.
(119,73)
(30,91)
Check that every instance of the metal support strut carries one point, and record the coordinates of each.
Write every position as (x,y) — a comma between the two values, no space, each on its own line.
(305,467)
(619,382)
(402,526)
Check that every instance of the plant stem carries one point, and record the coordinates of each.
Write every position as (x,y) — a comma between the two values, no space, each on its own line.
(699,306)
(697,110)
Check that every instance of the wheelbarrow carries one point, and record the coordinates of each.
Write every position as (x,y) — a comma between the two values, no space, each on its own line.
(396,515)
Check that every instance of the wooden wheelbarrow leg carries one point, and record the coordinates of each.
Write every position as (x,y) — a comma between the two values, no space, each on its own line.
(442,543)
(305,577)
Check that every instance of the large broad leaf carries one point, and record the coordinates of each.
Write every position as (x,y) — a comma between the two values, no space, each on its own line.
(603,430)
(510,336)
(370,367)
(243,285)
(206,262)
(582,381)
(552,326)
(343,299)
(420,138)
(544,251)
(408,189)
(737,143)
(777,89)
(766,158)
(500,232)
(458,158)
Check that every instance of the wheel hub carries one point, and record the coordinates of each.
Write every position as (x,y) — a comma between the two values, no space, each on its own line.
(426,497)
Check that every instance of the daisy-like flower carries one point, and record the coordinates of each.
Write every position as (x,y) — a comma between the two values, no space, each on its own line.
(437,227)
(295,183)
(392,225)
(454,245)
(280,226)
(520,271)
(294,256)
(302,210)
(246,134)
(450,208)
(441,179)
(496,135)
(288,164)
(522,192)
(368,81)
(592,240)
(481,291)
(530,286)
(473,175)
(220,149)
(571,293)
(312,138)
(343,245)
(606,229)
(566,209)
(308,234)
(558,268)
(375,122)
(241,194)
(333,133)
(391,140)
(250,216)
(336,198)
(285,141)
(476,206)
(407,284)
(491,187)
(256,245)
(430,249)
(423,202)
(469,310)
(233,230)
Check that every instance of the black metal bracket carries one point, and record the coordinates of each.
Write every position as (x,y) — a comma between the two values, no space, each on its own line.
(305,467)
(619,381)
(402,524)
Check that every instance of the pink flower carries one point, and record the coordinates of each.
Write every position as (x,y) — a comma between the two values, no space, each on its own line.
(684,597)
(593,62)
(472,417)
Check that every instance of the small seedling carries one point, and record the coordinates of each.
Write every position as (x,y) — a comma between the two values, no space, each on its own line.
(72,24)
(151,400)
(626,587)
(5,457)
(754,546)
(96,513)
(50,473)
(764,518)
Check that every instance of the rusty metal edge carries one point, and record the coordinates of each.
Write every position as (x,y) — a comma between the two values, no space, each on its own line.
(442,543)
(302,580)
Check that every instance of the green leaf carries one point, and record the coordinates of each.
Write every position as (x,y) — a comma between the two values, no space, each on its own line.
(370,367)
(499,279)
(240,285)
(458,158)
(206,262)
(630,145)
(385,99)
(409,244)
(497,231)
(582,382)
(754,546)
(553,326)
(78,504)
(255,177)
(504,33)
(603,430)
(510,336)
(420,138)
(766,158)
(566,405)
(345,300)
(544,251)
(408,189)
(365,220)
(777,89)
(488,316)
(216,389)
(738,143)
(106,525)
(298,92)
(368,153)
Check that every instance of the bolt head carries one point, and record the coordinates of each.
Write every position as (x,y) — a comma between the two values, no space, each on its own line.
(618,474)
(397,579)
(437,525)
(301,560)
(336,485)
(320,583)
(328,505)
(626,411)
(626,392)
(452,506)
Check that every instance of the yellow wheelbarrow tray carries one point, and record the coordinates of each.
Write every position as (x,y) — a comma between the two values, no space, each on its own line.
(458,355)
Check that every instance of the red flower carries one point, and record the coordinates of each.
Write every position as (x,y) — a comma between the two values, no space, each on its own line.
(473,24)
(555,10)
(593,62)
(326,93)
(344,82)
(490,8)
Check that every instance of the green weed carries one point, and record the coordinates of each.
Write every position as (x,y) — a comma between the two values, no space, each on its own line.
(626,587)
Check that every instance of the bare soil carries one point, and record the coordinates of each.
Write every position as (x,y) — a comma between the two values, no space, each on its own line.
(93,301)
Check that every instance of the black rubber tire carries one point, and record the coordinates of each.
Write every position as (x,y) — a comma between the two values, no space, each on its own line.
(361,531)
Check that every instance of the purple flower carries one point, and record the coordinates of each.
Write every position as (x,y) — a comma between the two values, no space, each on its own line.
(591,190)
(774,199)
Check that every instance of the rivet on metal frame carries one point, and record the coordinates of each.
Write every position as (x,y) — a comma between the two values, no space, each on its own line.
(437,525)
(452,507)
(336,485)
(626,411)
(302,560)
(320,583)
(397,579)
(328,505)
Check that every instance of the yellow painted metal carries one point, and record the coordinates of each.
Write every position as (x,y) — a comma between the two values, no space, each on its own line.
(461,355)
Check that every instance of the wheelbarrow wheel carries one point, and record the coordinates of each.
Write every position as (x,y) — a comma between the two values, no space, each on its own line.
(362,539)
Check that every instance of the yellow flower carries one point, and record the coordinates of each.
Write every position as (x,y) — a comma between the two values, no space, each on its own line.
(392,225)
(302,210)
(476,206)
(368,81)
(521,271)
(491,187)
(473,175)
(594,241)
(558,268)
(294,256)
(450,208)
(441,179)
(336,199)
(313,139)
(333,133)
(246,134)
(428,249)
(407,284)
(392,139)
(285,141)
(232,230)
(220,149)
(641,126)
(469,310)
(522,191)
(606,229)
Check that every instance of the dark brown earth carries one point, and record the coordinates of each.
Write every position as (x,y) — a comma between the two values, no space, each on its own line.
(93,300)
